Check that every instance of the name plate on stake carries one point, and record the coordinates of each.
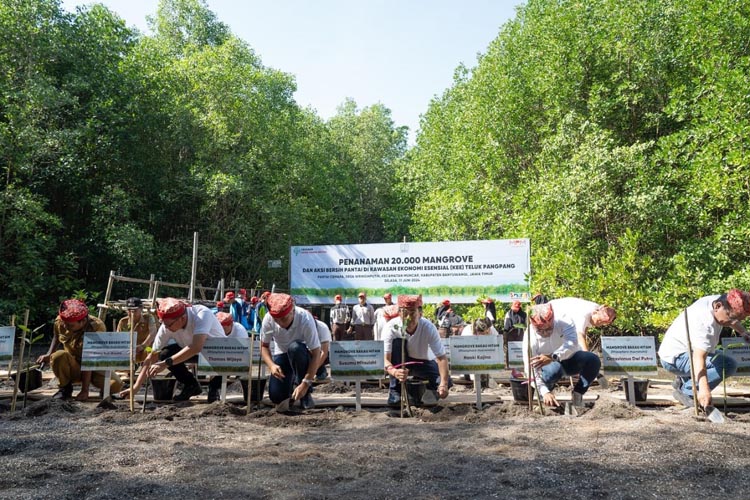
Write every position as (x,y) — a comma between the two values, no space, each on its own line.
(515,354)
(629,355)
(105,351)
(7,335)
(477,354)
(357,360)
(225,356)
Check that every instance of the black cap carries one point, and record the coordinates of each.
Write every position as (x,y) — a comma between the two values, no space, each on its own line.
(134,303)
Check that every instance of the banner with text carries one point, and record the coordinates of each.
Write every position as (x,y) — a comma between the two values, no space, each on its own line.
(739,350)
(7,336)
(477,354)
(357,359)
(458,270)
(629,355)
(106,351)
(225,356)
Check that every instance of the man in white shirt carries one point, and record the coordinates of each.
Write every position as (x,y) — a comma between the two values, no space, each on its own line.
(705,317)
(363,319)
(380,320)
(188,326)
(555,353)
(296,350)
(584,314)
(423,348)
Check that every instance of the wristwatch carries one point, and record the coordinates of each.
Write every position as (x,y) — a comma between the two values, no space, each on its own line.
(169,362)
(308,381)
(555,357)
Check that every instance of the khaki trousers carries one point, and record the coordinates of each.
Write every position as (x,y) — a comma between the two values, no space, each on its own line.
(68,371)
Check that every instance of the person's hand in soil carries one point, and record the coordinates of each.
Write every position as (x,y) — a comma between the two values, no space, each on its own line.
(300,391)
(541,360)
(550,400)
(443,391)
(277,372)
(704,396)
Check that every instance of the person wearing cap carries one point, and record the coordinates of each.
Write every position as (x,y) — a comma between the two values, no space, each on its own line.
(423,348)
(296,354)
(232,330)
(73,320)
(555,353)
(442,310)
(189,327)
(389,312)
(144,326)
(363,319)
(340,318)
(490,312)
(706,317)
(237,308)
(251,314)
(380,320)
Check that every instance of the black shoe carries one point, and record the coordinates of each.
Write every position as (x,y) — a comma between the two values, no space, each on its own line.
(682,398)
(213,395)
(307,402)
(394,399)
(188,391)
(65,392)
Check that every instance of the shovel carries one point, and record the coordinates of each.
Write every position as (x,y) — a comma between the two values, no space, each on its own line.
(713,414)
(145,396)
(285,405)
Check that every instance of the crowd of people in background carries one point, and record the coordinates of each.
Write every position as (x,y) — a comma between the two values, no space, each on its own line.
(295,343)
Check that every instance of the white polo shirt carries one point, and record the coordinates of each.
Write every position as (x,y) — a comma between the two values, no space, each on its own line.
(238,332)
(577,310)
(200,321)
(705,331)
(302,329)
(425,343)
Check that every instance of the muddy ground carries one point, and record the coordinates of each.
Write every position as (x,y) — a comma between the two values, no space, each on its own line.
(59,450)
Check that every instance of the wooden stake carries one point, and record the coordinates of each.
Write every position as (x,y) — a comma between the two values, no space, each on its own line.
(250,373)
(132,359)
(692,368)
(20,361)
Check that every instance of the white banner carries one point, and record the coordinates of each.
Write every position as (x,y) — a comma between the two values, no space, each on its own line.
(515,354)
(477,354)
(105,351)
(629,355)
(7,336)
(737,348)
(357,359)
(458,270)
(225,356)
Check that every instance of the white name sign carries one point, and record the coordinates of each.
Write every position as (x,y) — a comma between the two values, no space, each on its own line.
(477,354)
(7,335)
(103,351)
(739,350)
(224,356)
(515,354)
(353,360)
(629,355)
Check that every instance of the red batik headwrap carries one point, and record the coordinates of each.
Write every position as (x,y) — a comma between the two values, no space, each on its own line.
(170,308)
(739,301)
(279,304)
(409,301)
(73,310)
(225,318)
(390,312)
(542,316)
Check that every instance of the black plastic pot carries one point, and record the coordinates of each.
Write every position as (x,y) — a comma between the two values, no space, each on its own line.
(163,388)
(415,389)
(640,387)
(520,389)
(34,376)
(257,390)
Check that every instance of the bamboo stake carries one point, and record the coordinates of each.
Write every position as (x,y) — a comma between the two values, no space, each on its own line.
(132,359)
(10,363)
(107,295)
(20,361)
(692,368)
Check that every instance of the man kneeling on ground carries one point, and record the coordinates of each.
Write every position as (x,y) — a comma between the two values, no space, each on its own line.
(423,347)
(555,353)
(706,318)
(72,322)
(188,326)
(296,352)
